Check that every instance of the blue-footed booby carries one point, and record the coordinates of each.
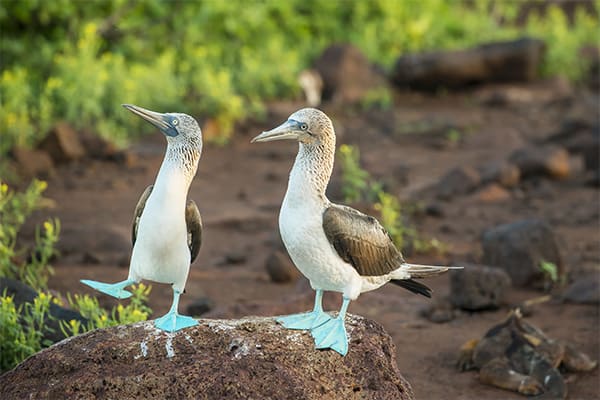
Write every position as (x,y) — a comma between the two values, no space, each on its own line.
(336,247)
(167,229)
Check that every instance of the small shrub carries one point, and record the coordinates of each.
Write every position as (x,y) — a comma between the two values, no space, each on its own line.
(357,185)
(28,265)
(22,328)
(98,317)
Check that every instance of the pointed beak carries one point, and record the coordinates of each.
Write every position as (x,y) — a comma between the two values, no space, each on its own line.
(287,130)
(161,121)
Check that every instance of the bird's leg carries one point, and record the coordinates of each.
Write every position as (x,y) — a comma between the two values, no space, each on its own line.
(309,320)
(172,321)
(332,334)
(111,289)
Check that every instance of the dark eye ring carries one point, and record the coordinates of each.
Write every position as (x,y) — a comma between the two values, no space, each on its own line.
(303,127)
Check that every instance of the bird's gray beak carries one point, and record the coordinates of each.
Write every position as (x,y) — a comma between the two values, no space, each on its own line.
(161,121)
(287,130)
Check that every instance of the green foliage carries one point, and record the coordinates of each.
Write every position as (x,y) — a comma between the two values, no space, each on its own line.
(78,60)
(391,218)
(15,207)
(564,41)
(358,185)
(21,329)
(355,180)
(98,317)
(550,270)
(377,98)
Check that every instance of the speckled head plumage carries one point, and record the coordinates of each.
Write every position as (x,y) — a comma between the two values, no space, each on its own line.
(314,131)
(308,126)
(184,136)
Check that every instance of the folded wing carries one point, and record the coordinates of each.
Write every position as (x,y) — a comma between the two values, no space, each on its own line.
(361,241)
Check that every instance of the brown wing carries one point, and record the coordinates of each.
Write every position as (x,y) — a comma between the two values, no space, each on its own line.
(137,214)
(193,222)
(361,241)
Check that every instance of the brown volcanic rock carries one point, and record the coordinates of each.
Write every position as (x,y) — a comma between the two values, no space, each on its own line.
(219,359)
(63,144)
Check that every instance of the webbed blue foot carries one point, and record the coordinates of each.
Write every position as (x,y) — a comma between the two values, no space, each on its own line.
(332,334)
(172,321)
(112,289)
(308,320)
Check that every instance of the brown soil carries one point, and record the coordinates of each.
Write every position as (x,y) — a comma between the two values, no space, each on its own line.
(239,189)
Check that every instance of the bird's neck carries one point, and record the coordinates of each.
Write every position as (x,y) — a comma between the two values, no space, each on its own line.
(310,174)
(176,172)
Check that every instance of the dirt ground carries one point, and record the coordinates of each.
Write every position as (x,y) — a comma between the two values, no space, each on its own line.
(239,189)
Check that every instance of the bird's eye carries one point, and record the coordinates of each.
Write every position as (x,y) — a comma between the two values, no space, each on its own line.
(303,127)
(175,122)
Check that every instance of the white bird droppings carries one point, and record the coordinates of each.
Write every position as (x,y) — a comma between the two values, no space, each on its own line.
(143,350)
(169,346)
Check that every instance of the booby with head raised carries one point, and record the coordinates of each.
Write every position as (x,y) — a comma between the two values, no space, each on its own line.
(336,247)
(167,229)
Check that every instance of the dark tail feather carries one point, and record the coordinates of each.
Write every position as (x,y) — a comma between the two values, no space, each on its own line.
(413,286)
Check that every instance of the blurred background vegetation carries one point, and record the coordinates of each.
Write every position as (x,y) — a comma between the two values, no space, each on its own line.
(79,60)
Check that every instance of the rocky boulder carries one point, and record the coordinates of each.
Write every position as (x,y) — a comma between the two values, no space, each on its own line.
(512,61)
(346,73)
(478,287)
(218,359)
(280,267)
(520,248)
(551,161)
(458,181)
(33,163)
(63,144)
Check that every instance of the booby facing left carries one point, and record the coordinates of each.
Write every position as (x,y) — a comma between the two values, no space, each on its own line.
(167,229)
(336,247)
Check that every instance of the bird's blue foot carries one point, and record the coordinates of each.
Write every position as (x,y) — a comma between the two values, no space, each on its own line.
(307,320)
(331,335)
(173,322)
(112,289)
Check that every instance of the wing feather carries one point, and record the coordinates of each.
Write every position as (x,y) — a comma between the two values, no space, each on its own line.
(193,221)
(361,241)
(139,209)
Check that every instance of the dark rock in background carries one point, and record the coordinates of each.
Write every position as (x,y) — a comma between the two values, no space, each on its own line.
(585,290)
(580,135)
(219,359)
(280,268)
(200,306)
(97,147)
(33,163)
(551,161)
(502,172)
(347,74)
(478,287)
(519,248)
(517,60)
(22,294)
(460,180)
(439,311)
(62,144)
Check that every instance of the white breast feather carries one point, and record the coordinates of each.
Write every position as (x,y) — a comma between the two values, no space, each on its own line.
(160,252)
